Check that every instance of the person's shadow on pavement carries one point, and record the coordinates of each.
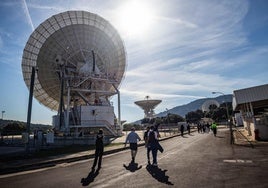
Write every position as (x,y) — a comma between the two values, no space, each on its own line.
(132,167)
(90,177)
(158,174)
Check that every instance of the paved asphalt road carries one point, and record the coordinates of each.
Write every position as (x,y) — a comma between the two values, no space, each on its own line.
(197,160)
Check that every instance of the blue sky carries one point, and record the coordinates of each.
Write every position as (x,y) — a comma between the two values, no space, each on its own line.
(177,50)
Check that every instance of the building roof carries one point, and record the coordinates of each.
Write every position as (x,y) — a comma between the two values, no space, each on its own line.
(247,95)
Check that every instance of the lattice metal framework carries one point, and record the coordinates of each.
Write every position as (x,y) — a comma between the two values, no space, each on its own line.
(65,46)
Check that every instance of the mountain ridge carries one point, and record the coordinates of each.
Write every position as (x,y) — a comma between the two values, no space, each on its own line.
(182,110)
(195,105)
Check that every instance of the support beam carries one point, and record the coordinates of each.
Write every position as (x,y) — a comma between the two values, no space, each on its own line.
(83,97)
(61,98)
(29,115)
(119,108)
(68,111)
(93,91)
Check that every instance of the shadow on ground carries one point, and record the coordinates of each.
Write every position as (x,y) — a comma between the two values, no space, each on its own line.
(159,174)
(132,167)
(90,177)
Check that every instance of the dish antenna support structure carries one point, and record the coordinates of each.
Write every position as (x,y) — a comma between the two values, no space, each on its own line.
(81,62)
(148,105)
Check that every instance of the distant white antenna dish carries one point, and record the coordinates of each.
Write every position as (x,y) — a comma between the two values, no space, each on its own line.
(148,105)
(206,105)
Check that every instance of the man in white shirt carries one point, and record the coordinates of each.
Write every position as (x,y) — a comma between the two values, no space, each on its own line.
(132,139)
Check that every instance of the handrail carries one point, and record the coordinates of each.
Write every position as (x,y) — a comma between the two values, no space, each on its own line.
(98,123)
(245,137)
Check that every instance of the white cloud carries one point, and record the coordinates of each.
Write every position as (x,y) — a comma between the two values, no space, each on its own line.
(218,27)
(27,14)
(178,21)
(188,59)
(1,43)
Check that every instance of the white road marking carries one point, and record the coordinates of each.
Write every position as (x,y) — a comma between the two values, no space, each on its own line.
(237,161)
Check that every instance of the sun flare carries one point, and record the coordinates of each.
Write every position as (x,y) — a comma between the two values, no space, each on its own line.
(135,18)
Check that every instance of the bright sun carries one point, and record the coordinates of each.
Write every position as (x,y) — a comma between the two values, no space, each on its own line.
(134,18)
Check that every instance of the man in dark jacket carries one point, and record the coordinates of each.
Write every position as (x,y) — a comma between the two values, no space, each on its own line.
(146,138)
(153,144)
(98,150)
(182,129)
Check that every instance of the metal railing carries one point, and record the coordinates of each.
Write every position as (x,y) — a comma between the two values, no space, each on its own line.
(243,136)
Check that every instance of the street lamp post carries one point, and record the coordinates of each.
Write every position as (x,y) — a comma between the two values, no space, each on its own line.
(168,120)
(228,118)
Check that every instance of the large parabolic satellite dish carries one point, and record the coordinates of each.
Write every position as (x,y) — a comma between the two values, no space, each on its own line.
(81,61)
(81,45)
(148,105)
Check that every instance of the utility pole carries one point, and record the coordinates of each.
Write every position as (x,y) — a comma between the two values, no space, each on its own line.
(228,117)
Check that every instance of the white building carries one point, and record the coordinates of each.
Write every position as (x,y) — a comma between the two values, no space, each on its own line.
(252,103)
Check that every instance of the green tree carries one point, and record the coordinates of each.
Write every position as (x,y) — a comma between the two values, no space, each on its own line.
(145,120)
(14,128)
(128,126)
(219,113)
(194,116)
(158,120)
(174,118)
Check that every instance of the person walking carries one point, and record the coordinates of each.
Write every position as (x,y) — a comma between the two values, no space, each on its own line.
(132,139)
(188,128)
(153,144)
(182,129)
(145,138)
(98,150)
(214,128)
(199,127)
(208,129)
